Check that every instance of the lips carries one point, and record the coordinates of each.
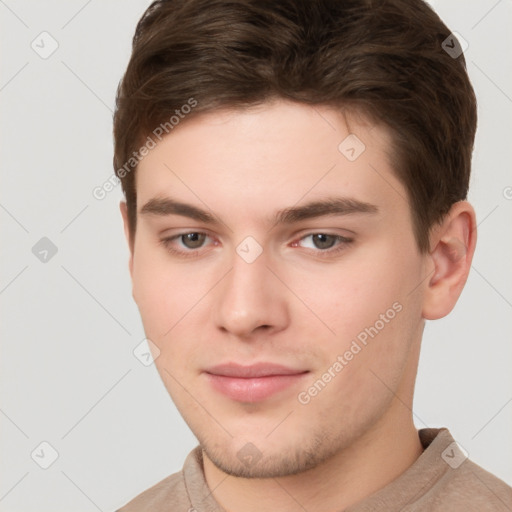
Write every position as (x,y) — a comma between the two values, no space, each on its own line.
(252,383)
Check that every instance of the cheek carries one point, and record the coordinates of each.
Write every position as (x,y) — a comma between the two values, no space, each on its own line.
(153,296)
(366,301)
(159,308)
(351,296)
(164,292)
(363,368)
(169,298)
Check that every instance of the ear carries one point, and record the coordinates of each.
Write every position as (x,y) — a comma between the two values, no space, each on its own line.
(124,213)
(452,245)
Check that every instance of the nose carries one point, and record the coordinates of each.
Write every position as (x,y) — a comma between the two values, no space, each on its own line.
(250,299)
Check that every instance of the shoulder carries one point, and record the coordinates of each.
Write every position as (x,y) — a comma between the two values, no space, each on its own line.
(175,489)
(468,487)
(456,481)
(157,498)
(441,479)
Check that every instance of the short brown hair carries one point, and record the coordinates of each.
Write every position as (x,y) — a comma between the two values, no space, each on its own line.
(385,59)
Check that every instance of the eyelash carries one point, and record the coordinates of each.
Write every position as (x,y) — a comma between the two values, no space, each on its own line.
(343,242)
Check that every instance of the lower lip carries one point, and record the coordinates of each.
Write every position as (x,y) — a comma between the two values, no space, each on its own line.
(253,389)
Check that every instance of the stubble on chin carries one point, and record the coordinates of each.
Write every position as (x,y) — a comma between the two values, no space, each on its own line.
(249,461)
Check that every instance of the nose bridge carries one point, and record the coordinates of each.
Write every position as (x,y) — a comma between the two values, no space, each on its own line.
(249,297)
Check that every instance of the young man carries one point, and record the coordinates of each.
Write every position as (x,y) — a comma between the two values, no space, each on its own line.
(295,177)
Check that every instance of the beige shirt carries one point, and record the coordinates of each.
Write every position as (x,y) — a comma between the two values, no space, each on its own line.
(440,479)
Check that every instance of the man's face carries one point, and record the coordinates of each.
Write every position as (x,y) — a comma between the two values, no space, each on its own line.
(334,298)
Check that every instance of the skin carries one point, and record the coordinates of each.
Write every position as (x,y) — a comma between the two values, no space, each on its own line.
(297,304)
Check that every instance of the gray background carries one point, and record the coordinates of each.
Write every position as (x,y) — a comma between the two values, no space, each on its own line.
(69,325)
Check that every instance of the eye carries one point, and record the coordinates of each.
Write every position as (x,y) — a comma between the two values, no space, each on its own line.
(324,242)
(192,240)
(185,244)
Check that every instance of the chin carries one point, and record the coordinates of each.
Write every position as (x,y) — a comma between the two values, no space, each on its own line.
(261,459)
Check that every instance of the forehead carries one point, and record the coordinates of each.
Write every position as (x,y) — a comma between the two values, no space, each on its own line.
(270,156)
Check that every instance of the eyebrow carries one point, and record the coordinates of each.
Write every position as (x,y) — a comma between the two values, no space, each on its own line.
(168,206)
(330,206)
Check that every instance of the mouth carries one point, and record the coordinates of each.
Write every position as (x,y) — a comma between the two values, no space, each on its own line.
(253,383)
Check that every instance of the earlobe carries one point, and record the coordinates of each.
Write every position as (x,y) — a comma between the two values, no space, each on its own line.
(453,245)
(124,213)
